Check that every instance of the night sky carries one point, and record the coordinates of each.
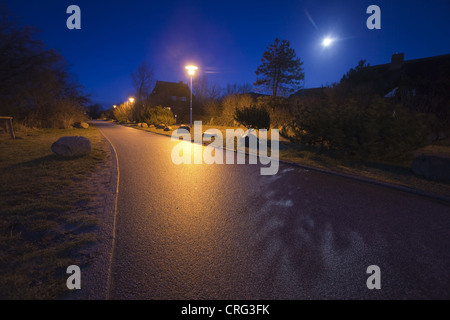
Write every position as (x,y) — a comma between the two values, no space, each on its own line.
(226,39)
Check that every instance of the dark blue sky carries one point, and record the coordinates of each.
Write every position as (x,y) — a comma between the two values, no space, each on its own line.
(226,39)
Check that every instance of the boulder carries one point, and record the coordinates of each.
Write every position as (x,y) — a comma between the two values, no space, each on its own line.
(432,167)
(139,124)
(81,125)
(185,127)
(72,146)
(151,126)
(167,128)
(160,126)
(144,125)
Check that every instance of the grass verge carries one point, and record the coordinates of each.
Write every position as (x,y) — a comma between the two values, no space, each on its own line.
(40,232)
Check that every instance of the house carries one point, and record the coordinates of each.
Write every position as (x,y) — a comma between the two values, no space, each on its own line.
(420,76)
(423,75)
(173,95)
(421,85)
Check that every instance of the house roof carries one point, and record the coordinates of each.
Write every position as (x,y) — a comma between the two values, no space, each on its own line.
(308,92)
(419,73)
(178,89)
(398,61)
(255,95)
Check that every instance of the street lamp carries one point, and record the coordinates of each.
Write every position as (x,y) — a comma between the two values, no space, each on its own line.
(114,106)
(130,100)
(191,71)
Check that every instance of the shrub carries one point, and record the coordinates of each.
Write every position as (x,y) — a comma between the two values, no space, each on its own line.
(253,117)
(213,110)
(376,129)
(230,104)
(123,112)
(158,115)
(279,111)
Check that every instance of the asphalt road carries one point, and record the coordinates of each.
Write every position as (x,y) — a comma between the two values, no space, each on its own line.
(226,232)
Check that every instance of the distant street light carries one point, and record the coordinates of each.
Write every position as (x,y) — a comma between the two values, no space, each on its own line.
(191,71)
(130,100)
(114,106)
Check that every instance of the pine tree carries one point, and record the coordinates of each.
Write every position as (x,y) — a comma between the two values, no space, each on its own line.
(281,71)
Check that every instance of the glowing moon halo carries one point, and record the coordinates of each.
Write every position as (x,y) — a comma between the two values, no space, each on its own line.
(327,42)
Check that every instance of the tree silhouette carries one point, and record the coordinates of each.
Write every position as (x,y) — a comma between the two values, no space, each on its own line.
(35,86)
(143,81)
(281,71)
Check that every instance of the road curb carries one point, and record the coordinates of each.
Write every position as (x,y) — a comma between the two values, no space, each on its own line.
(96,275)
(111,213)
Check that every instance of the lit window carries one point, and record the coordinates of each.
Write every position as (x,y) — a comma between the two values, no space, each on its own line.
(183,98)
(174,98)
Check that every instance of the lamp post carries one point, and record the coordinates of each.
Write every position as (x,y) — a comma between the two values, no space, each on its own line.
(191,71)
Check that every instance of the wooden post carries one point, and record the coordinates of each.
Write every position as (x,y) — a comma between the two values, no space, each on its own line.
(10,126)
(11,129)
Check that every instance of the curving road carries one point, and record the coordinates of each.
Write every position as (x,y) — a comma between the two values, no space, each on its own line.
(226,232)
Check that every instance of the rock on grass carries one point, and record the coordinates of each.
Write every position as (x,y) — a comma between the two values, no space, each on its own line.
(75,146)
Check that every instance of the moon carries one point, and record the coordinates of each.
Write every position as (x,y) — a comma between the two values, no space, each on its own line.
(327,42)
